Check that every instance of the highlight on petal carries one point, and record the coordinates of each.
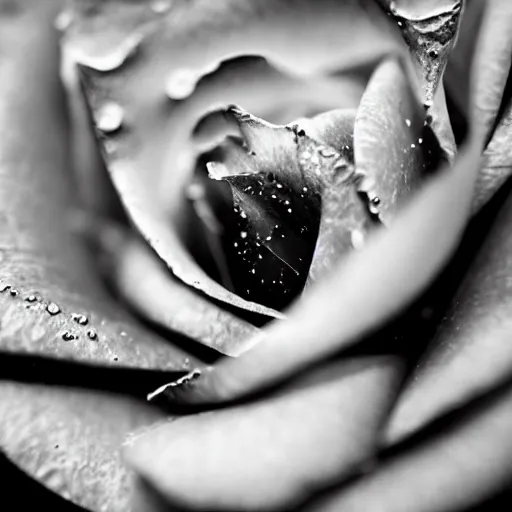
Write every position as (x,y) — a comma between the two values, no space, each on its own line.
(364,291)
(471,352)
(149,150)
(276,452)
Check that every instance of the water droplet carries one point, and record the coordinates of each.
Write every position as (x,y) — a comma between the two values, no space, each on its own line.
(243,234)
(408,122)
(80,319)
(63,20)
(305,189)
(92,334)
(413,146)
(434,54)
(181,83)
(53,308)
(160,6)
(109,117)
(243,215)
(420,141)
(31,298)
(357,239)
(68,336)
(109,59)
(14,292)
(289,210)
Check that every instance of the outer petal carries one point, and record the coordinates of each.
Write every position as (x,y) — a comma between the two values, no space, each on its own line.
(453,470)
(471,352)
(276,452)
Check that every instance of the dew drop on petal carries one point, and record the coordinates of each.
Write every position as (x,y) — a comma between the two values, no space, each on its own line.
(14,292)
(408,122)
(109,117)
(243,234)
(80,319)
(31,298)
(181,83)
(68,336)
(357,239)
(92,334)
(53,308)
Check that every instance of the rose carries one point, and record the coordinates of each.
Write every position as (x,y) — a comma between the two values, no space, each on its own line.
(51,431)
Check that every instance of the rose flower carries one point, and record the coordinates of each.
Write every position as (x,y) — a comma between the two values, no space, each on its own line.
(256,255)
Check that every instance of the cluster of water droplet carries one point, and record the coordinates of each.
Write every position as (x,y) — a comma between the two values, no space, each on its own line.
(37,303)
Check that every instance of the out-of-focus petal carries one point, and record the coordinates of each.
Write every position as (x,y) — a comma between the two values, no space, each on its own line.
(452,470)
(275,452)
(471,352)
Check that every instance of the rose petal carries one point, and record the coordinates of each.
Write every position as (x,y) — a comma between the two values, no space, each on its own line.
(70,441)
(498,165)
(274,452)
(471,351)
(51,296)
(459,467)
(157,129)
(491,69)
(393,144)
